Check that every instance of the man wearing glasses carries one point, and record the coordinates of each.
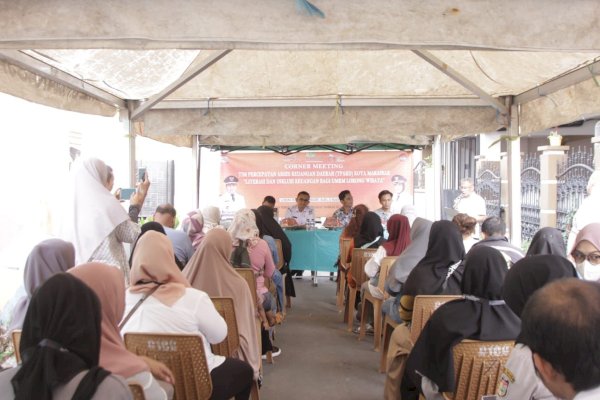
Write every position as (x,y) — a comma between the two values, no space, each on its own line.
(469,202)
(301,213)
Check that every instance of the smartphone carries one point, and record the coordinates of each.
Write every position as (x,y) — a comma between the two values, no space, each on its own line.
(141,174)
(127,193)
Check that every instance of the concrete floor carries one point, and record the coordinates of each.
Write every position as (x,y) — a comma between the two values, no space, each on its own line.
(320,359)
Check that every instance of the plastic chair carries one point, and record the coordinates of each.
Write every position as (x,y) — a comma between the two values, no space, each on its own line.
(424,306)
(137,391)
(477,366)
(388,327)
(231,344)
(359,259)
(248,275)
(386,264)
(16,339)
(279,253)
(344,248)
(183,354)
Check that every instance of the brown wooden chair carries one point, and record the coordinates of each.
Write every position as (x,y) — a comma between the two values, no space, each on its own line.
(388,327)
(386,264)
(477,366)
(137,391)
(248,275)
(424,306)
(279,253)
(231,344)
(344,248)
(359,259)
(183,354)
(16,339)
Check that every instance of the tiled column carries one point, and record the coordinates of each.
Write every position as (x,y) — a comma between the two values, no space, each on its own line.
(549,159)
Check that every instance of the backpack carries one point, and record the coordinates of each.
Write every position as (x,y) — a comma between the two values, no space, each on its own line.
(240,258)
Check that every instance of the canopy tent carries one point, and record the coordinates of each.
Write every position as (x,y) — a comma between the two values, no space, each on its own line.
(269,74)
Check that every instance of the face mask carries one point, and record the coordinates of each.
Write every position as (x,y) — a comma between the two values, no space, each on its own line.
(588,271)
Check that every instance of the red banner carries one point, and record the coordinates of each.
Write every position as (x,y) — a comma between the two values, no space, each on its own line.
(323,174)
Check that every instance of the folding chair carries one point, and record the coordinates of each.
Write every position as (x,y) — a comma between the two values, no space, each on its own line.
(386,264)
(344,248)
(231,344)
(16,339)
(424,306)
(183,354)
(477,366)
(359,259)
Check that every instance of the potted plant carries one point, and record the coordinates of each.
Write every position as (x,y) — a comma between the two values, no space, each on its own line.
(554,138)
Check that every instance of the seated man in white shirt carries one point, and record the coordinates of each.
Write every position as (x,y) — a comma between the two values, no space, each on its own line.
(385,212)
(301,213)
(561,326)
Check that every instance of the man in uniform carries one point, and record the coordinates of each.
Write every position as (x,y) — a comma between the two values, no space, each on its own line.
(301,213)
(400,197)
(230,201)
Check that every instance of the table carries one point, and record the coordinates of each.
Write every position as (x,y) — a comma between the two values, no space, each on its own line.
(315,250)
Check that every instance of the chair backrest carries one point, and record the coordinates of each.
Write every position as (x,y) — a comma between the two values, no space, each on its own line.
(230,345)
(248,275)
(279,253)
(424,306)
(344,249)
(384,269)
(477,366)
(137,391)
(359,259)
(16,339)
(183,354)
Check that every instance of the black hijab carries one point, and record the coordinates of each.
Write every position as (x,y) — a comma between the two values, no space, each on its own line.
(148,226)
(272,228)
(444,249)
(61,337)
(547,241)
(259,224)
(531,273)
(481,315)
(370,229)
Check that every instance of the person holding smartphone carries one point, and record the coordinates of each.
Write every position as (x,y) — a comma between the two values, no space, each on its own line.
(95,221)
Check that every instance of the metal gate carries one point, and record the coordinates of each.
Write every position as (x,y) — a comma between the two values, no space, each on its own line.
(488,186)
(530,196)
(572,179)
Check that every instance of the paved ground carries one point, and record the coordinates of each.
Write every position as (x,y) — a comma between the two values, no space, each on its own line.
(320,359)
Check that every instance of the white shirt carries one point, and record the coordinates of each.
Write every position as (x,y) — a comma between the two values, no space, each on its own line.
(473,205)
(300,216)
(592,394)
(384,215)
(229,203)
(372,269)
(518,380)
(194,313)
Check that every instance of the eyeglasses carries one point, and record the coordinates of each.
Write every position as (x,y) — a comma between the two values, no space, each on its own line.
(579,257)
(303,199)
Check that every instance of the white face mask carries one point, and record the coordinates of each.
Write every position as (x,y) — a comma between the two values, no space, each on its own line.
(588,271)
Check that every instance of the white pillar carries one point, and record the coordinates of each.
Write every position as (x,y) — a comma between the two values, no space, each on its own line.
(514,178)
(436,157)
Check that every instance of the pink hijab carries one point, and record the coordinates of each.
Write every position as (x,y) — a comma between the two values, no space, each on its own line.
(193,225)
(210,271)
(154,263)
(591,233)
(108,284)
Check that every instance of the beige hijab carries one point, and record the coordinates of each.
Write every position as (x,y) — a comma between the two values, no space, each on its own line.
(210,271)
(154,263)
(108,284)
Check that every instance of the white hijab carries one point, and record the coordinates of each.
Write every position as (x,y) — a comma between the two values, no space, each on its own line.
(92,211)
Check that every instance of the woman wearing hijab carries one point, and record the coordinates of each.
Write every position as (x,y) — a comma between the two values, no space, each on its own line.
(46,259)
(398,227)
(148,226)
(193,225)
(547,241)
(209,270)
(96,223)
(438,272)
(519,380)
(175,307)
(277,278)
(244,232)
(481,315)
(60,346)
(211,216)
(108,284)
(273,229)
(586,252)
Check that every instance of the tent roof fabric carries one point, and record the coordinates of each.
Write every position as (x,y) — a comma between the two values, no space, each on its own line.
(378,71)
